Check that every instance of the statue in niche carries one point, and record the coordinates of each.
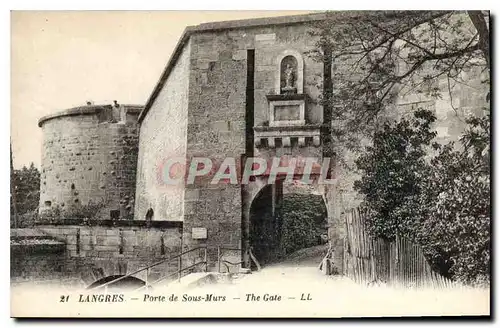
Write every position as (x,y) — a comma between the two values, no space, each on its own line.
(288,75)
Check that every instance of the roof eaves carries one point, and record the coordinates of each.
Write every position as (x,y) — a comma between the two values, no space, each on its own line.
(168,68)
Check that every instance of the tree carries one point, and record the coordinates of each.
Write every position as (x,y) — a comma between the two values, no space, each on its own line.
(26,189)
(13,202)
(441,203)
(392,171)
(379,55)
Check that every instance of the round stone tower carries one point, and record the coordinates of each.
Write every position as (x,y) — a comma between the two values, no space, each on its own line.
(89,160)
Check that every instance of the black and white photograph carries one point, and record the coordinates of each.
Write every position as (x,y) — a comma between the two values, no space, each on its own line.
(250,164)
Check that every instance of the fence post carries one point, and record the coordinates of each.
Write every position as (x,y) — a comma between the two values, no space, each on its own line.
(206,260)
(218,259)
(179,265)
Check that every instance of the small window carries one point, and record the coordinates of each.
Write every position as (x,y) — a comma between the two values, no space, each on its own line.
(114,214)
(48,203)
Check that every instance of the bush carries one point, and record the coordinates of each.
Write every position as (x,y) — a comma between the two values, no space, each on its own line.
(392,172)
(459,217)
(442,204)
(53,213)
(85,211)
(25,189)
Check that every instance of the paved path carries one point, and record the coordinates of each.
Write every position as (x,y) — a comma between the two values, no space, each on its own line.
(304,291)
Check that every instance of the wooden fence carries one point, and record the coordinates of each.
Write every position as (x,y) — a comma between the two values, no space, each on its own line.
(374,260)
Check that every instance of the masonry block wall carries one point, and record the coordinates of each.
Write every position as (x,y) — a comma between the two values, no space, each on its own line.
(36,262)
(90,156)
(200,112)
(94,252)
(269,43)
(216,130)
(216,127)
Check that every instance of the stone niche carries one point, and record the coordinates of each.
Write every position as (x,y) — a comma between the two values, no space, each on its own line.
(287,105)
(287,108)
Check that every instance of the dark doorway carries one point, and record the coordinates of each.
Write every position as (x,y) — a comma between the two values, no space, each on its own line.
(281,224)
(265,228)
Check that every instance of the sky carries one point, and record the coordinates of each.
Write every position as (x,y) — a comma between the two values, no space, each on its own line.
(62,59)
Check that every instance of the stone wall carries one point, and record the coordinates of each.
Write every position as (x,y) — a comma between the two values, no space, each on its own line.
(90,155)
(216,129)
(37,262)
(269,43)
(162,137)
(93,252)
(216,119)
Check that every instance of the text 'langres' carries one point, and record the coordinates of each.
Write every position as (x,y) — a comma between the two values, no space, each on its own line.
(100,298)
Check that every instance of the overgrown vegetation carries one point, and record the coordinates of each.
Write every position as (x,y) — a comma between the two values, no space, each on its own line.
(78,211)
(304,222)
(25,194)
(393,169)
(458,195)
(443,204)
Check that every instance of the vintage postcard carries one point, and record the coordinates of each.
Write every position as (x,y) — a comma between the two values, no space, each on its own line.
(252,164)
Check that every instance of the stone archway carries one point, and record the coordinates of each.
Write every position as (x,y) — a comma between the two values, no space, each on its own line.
(124,284)
(273,220)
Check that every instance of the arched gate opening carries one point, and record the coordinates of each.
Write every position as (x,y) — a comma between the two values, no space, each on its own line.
(282,223)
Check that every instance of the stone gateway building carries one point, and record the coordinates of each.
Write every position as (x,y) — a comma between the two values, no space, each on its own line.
(237,89)
(225,94)
(247,89)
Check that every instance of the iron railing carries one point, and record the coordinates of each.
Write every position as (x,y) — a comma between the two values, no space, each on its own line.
(178,272)
(180,269)
(220,261)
